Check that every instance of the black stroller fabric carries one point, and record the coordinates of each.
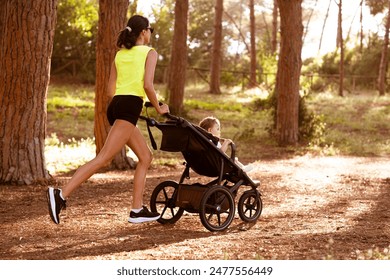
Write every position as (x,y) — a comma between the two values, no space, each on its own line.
(197,146)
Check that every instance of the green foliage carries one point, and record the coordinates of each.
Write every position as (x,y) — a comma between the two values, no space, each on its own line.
(75,38)
(162,37)
(268,65)
(200,33)
(311,125)
(360,68)
(366,63)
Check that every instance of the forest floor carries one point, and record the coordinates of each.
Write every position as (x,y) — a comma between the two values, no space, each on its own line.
(313,208)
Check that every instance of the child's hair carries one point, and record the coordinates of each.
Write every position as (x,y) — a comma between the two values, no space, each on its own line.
(128,36)
(208,123)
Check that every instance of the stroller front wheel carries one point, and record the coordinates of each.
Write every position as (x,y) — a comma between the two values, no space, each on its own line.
(163,201)
(250,206)
(217,208)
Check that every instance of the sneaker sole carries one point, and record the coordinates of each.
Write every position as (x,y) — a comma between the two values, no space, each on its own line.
(52,205)
(143,220)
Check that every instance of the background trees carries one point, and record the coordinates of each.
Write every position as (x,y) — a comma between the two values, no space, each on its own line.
(248,43)
(75,39)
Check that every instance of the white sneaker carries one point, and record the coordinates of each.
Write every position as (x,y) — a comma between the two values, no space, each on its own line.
(143,216)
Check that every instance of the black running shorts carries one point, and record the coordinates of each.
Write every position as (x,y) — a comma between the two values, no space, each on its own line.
(124,107)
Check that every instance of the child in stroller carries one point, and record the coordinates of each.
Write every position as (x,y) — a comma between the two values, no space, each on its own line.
(215,200)
(213,125)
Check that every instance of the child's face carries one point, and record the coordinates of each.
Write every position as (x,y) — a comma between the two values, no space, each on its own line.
(215,130)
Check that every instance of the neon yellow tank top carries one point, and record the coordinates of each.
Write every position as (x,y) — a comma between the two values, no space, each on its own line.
(130,68)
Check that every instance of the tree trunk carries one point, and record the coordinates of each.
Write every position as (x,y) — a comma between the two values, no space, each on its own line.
(216,55)
(274,41)
(383,65)
(252,79)
(178,63)
(340,44)
(3,5)
(112,19)
(361,26)
(25,55)
(289,70)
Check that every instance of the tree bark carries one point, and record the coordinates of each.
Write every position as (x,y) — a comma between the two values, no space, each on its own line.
(274,41)
(340,44)
(216,55)
(25,56)
(384,58)
(178,63)
(289,70)
(112,19)
(361,26)
(3,7)
(252,79)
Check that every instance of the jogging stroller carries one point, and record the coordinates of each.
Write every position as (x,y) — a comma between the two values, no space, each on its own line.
(214,201)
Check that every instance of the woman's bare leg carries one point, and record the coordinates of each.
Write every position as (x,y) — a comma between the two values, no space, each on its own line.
(118,136)
(139,146)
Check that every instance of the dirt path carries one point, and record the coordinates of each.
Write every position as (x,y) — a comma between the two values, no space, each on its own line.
(314,208)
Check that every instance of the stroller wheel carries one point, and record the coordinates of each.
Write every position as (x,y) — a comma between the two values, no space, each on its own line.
(163,201)
(250,206)
(217,208)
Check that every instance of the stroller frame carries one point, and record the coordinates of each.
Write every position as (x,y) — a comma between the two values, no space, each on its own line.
(215,200)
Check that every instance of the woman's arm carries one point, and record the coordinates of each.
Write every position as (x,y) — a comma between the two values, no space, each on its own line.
(150,67)
(112,82)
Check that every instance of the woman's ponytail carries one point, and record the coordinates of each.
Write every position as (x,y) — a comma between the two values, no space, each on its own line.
(128,36)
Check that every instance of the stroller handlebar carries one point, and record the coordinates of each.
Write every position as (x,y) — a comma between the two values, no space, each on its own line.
(149,104)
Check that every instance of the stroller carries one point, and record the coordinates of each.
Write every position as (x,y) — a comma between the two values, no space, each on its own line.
(214,201)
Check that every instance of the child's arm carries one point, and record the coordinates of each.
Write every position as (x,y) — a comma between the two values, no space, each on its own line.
(225,144)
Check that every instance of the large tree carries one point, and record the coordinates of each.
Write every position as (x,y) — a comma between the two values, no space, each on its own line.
(216,55)
(253,67)
(3,5)
(25,54)
(178,62)
(384,57)
(340,45)
(376,7)
(112,19)
(289,71)
(274,40)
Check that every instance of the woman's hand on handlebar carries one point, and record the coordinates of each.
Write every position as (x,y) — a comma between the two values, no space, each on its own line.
(163,109)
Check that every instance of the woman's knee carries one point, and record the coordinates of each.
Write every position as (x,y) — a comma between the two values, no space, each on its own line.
(102,160)
(146,158)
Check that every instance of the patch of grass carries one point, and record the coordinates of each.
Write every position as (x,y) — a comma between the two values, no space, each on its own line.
(64,156)
(355,125)
(70,111)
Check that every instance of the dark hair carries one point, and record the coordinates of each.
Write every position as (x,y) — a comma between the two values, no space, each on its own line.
(128,36)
